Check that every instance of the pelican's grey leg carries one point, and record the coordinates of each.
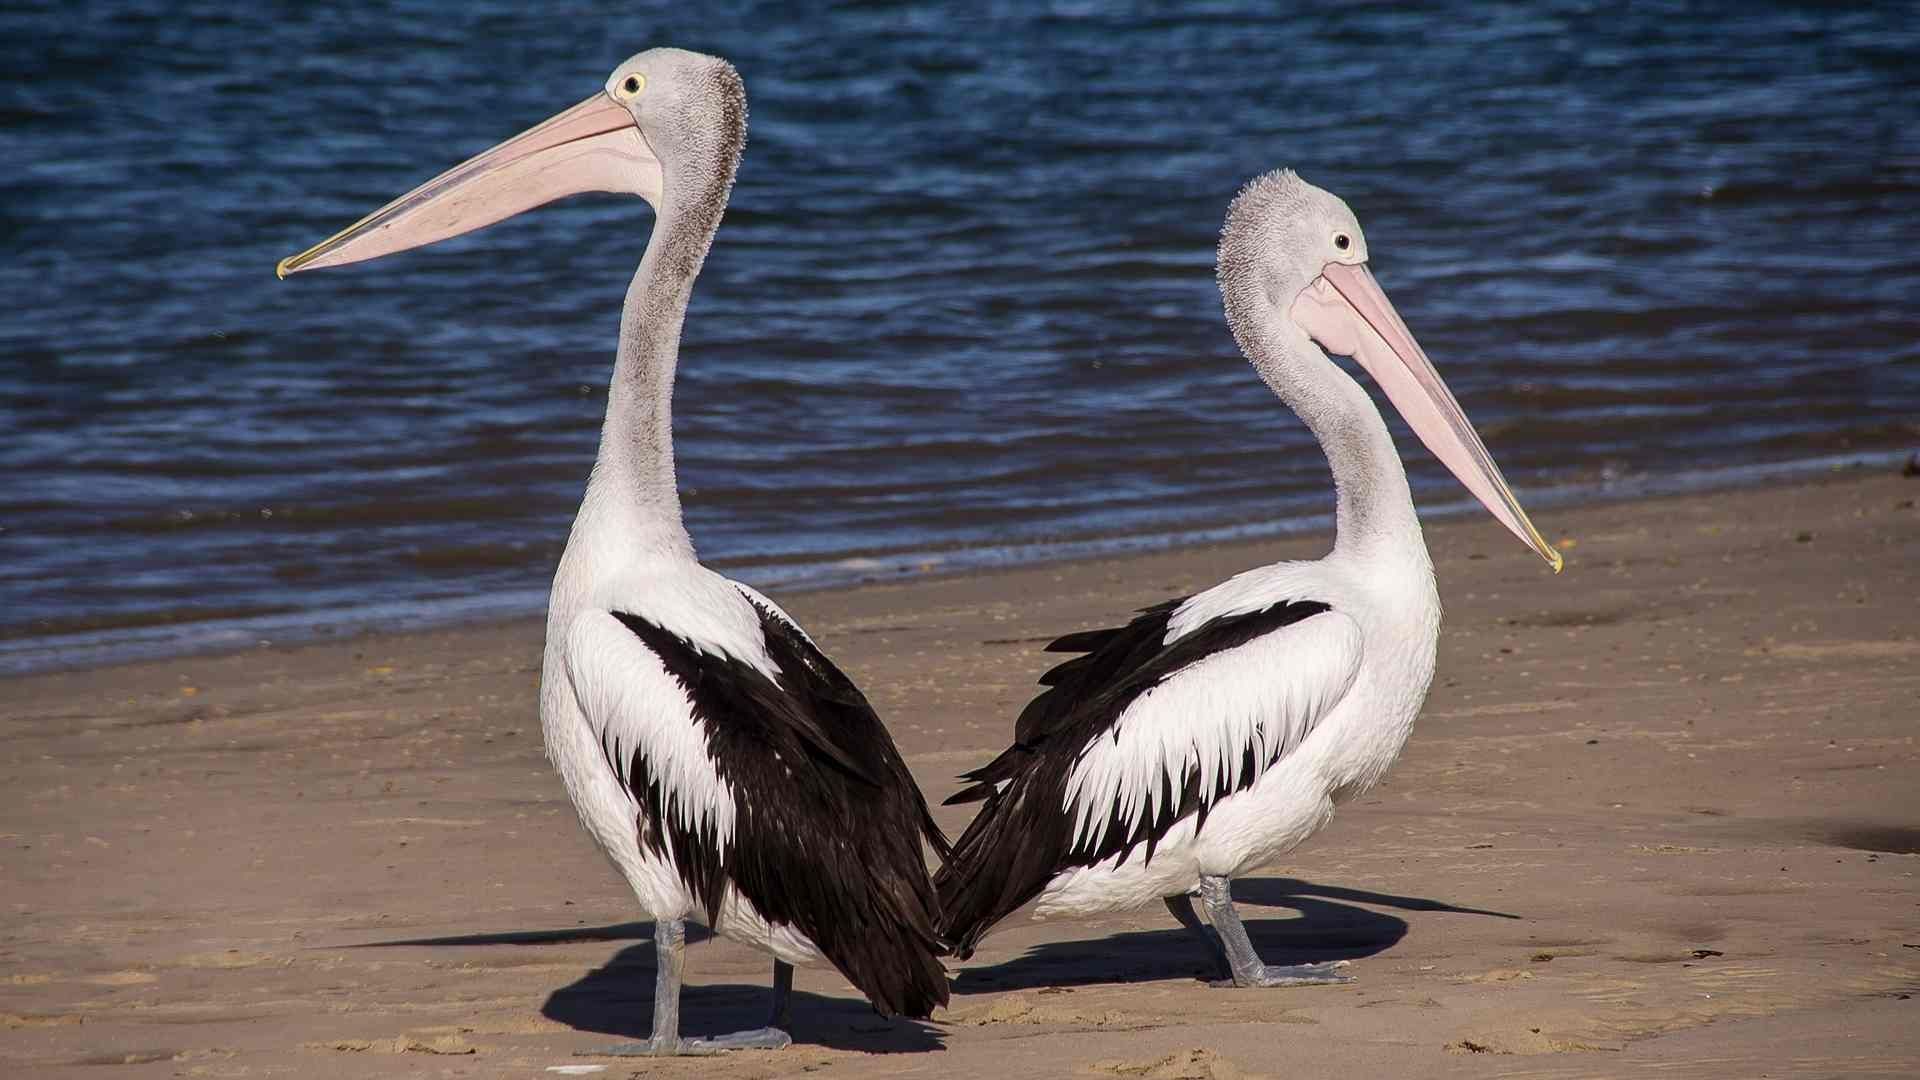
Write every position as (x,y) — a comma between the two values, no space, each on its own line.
(1217,896)
(669,956)
(772,1037)
(781,1015)
(1181,907)
(670,943)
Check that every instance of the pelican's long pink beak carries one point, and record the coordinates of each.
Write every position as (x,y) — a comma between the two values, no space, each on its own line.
(594,146)
(1345,311)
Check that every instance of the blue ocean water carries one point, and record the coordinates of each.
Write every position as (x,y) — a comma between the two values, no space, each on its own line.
(961,310)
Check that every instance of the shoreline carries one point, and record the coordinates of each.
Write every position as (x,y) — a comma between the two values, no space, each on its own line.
(161,640)
(1657,815)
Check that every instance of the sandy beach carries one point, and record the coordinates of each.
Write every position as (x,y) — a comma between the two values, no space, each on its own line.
(1660,816)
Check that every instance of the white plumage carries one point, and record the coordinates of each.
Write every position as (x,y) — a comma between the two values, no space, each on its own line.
(1239,709)
(1323,716)
(625,697)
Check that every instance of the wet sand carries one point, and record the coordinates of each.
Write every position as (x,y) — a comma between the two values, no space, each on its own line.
(1660,817)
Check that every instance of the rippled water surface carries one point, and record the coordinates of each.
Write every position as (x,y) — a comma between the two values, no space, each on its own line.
(962,307)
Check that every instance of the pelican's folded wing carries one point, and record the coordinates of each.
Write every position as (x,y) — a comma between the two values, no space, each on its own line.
(1137,734)
(773,778)
(1206,718)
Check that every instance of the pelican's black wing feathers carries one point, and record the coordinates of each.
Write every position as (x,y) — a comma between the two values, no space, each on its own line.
(827,818)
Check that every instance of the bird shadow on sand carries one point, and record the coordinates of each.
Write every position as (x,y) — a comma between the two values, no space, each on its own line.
(1327,928)
(632,931)
(616,999)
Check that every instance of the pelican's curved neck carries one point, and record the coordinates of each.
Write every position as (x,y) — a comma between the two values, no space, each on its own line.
(1374,512)
(634,471)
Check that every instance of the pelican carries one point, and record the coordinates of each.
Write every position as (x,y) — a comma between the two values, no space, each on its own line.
(1214,733)
(728,770)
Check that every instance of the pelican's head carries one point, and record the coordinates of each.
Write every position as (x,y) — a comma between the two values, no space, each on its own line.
(1280,232)
(662,112)
(690,108)
(1297,251)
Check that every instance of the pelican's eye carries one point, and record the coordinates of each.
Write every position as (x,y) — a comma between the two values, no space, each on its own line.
(631,86)
(1341,241)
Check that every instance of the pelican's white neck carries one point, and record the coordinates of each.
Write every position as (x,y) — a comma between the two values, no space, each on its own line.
(1374,511)
(634,492)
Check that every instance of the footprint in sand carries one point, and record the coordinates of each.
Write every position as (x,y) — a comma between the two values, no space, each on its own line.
(1020,1009)
(1195,1064)
(231,958)
(1845,650)
(123,978)
(451,1045)
(14,1021)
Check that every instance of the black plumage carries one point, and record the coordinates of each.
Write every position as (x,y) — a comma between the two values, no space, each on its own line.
(1023,836)
(827,818)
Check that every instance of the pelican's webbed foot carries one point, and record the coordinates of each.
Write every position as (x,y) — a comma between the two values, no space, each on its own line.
(766,1038)
(1327,974)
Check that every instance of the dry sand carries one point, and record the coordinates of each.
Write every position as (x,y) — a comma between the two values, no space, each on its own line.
(1659,818)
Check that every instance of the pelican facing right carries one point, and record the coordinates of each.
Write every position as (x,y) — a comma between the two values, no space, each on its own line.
(1214,733)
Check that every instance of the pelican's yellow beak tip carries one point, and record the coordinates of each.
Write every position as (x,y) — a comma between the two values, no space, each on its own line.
(280,268)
